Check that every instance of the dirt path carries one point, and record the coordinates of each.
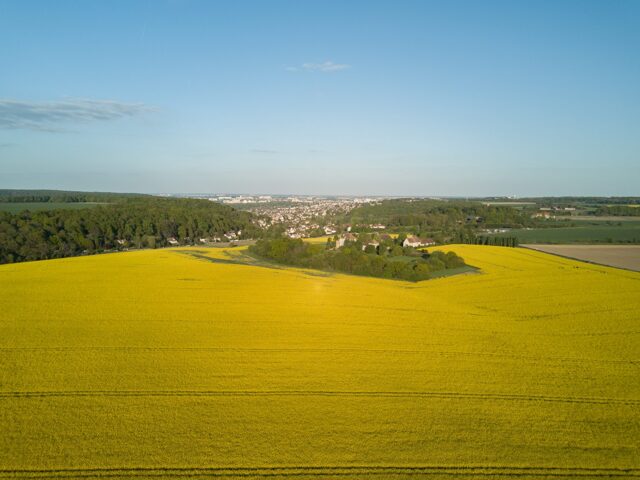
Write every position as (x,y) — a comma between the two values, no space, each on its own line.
(620,256)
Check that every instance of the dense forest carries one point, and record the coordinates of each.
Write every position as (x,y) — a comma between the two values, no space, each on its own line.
(134,222)
(61,196)
(454,221)
(358,258)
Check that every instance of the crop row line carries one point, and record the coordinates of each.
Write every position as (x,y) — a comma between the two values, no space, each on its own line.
(316,350)
(328,393)
(349,470)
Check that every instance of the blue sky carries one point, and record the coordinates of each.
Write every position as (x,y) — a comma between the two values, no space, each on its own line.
(321,97)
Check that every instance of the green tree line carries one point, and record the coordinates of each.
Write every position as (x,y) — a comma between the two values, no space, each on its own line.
(496,240)
(438,214)
(137,222)
(618,210)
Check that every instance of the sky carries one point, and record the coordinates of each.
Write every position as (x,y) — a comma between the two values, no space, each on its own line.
(399,97)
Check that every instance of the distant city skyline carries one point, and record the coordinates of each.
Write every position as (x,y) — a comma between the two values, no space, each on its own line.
(362,98)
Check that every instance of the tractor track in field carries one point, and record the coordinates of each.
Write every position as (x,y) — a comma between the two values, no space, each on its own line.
(443,353)
(329,471)
(319,393)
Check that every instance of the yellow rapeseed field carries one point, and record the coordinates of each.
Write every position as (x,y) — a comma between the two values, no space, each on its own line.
(168,364)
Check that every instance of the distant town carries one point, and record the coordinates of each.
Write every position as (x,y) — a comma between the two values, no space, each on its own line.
(301,216)
(304,216)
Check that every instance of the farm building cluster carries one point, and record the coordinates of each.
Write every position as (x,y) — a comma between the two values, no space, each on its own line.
(377,239)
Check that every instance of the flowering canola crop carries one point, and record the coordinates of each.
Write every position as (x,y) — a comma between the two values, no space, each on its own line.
(180,363)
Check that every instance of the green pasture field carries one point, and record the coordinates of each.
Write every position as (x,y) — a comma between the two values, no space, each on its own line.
(628,232)
(596,220)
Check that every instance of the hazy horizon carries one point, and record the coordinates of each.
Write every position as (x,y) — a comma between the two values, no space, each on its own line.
(405,98)
(514,197)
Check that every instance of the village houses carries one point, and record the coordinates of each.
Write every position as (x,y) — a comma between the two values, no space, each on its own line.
(413,241)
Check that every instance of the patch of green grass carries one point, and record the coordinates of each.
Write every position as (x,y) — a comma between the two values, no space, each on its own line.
(454,271)
(593,220)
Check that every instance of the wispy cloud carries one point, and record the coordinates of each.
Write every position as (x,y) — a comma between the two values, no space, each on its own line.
(54,116)
(324,67)
(263,151)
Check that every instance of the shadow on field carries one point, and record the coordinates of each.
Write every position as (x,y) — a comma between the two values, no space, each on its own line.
(241,258)
(237,259)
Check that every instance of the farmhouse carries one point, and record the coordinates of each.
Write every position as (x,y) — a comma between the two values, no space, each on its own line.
(349,237)
(375,243)
(172,241)
(542,214)
(413,241)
